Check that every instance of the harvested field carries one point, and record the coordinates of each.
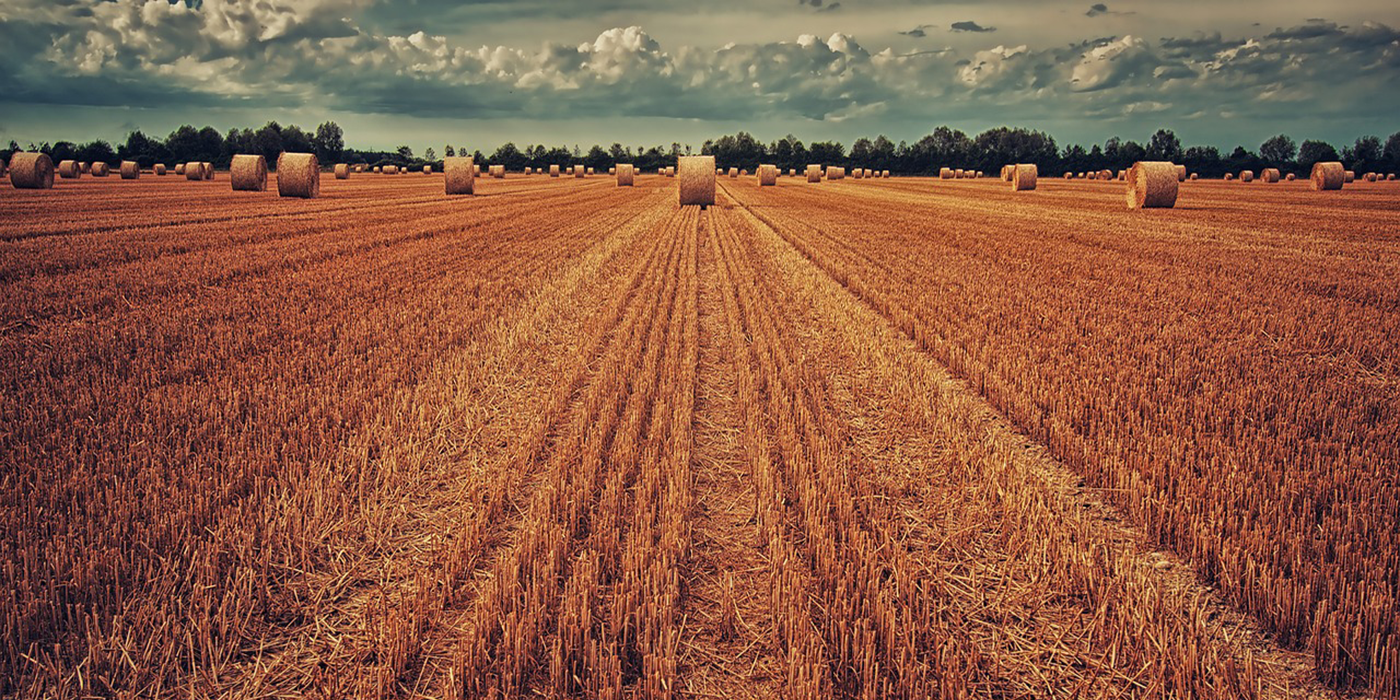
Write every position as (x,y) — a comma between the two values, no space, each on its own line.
(568,439)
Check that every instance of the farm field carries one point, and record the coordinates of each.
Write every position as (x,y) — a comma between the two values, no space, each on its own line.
(900,438)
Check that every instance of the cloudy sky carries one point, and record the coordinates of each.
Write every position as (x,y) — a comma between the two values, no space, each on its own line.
(480,72)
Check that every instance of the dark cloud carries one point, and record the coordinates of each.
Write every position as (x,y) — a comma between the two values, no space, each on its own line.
(1314,29)
(970,26)
(918,32)
(817,4)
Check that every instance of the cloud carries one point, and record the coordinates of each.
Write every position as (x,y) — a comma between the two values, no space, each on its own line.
(970,27)
(817,4)
(918,32)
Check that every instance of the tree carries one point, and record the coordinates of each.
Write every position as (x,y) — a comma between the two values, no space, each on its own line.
(1312,152)
(404,153)
(448,151)
(1365,155)
(183,144)
(329,142)
(267,141)
(1278,150)
(430,155)
(1391,152)
(1164,145)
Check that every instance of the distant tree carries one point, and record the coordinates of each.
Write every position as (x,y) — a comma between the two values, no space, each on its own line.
(62,150)
(827,152)
(1204,160)
(183,144)
(1364,156)
(862,150)
(267,141)
(430,155)
(329,142)
(97,152)
(1164,145)
(1391,153)
(1312,152)
(1278,151)
(597,158)
(509,156)
(1075,159)
(448,151)
(404,153)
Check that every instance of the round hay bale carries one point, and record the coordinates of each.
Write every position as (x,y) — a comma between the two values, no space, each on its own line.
(100,170)
(208,170)
(1194,176)
(85,167)
(179,168)
(1181,173)
(1069,176)
(792,172)
(834,172)
(1023,177)
(298,175)
(626,174)
(884,173)
(391,170)
(528,170)
(159,169)
(612,170)
(342,171)
(743,172)
(69,170)
(1006,171)
(1122,175)
(554,171)
(767,175)
(130,170)
(1290,177)
(959,174)
(31,171)
(1229,177)
(1390,177)
(498,172)
(1370,177)
(1328,176)
(248,173)
(1153,185)
(978,175)
(733,172)
(1105,174)
(945,173)
(427,170)
(1246,176)
(814,173)
(670,171)
(1270,175)
(1349,177)
(460,174)
(697,180)
(858,174)
(579,171)
(359,168)
(590,171)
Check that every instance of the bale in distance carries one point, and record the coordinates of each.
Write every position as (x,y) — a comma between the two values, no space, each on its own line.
(194,171)
(460,174)
(208,170)
(1349,176)
(527,170)
(69,170)
(1105,174)
(1153,185)
(814,173)
(767,175)
(579,171)
(1246,176)
(590,170)
(1006,171)
(1390,177)
(342,171)
(858,174)
(959,174)
(670,171)
(1122,176)
(697,180)
(834,172)
(130,170)
(1229,177)
(612,170)
(1069,176)
(884,173)
(554,171)
(159,169)
(248,173)
(427,170)
(378,169)
(85,167)
(391,170)
(179,168)
(1290,177)
(100,170)
(31,171)
(1023,177)
(792,172)
(1328,176)
(298,175)
(626,174)
(1370,177)
(1270,175)
(1181,173)
(1195,177)
(945,173)
(498,172)
(359,168)
(733,172)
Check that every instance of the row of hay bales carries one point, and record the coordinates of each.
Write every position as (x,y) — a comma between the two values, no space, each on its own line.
(1156,184)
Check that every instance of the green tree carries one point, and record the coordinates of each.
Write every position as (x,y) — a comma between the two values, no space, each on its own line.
(1278,151)
(329,142)
(1312,152)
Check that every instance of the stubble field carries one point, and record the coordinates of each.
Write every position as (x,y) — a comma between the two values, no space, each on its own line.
(901,438)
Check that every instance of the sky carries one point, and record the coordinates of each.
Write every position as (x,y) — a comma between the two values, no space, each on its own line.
(477,73)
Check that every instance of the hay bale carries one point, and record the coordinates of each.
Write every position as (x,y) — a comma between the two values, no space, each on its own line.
(1153,185)
(945,173)
(1105,174)
(792,172)
(884,173)
(298,175)
(100,170)
(378,170)
(1290,177)
(208,170)
(1246,176)
(460,174)
(697,180)
(767,175)
(391,170)
(1069,176)
(85,167)
(69,170)
(1390,177)
(1122,175)
(959,174)
(528,170)
(1023,177)
(159,169)
(1229,177)
(1349,177)
(1195,177)
(427,170)
(1370,177)
(179,168)
(554,171)
(814,173)
(733,172)
(590,170)
(1328,176)
(670,171)
(342,171)
(625,174)
(834,172)
(1270,175)
(579,171)
(1006,171)
(857,174)
(130,170)
(498,172)
(1181,173)
(248,173)
(31,171)
(612,170)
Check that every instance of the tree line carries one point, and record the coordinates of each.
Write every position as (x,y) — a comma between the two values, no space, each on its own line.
(943,147)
